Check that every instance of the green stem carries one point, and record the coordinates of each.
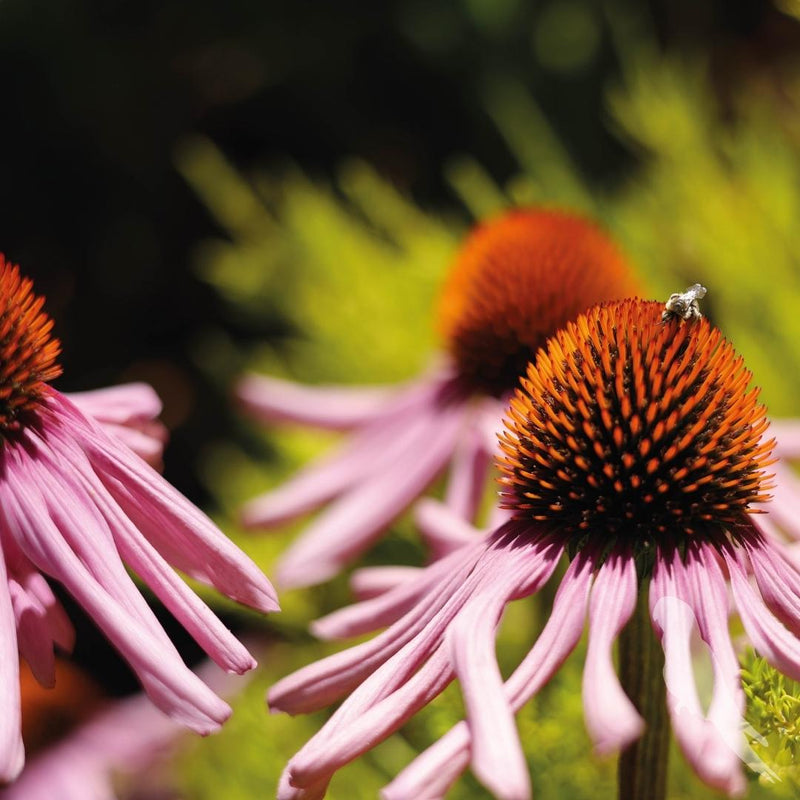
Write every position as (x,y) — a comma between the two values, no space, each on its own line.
(642,770)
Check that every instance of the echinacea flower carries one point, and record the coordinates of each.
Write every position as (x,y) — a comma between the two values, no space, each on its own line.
(515,281)
(635,448)
(78,506)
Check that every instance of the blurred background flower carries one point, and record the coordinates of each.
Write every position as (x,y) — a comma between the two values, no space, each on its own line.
(198,190)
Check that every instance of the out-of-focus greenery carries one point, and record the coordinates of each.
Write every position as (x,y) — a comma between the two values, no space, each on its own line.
(774,717)
(353,269)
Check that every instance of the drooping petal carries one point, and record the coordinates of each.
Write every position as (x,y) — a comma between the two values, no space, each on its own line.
(12,752)
(611,718)
(170,684)
(185,536)
(443,529)
(369,449)
(348,733)
(59,628)
(769,637)
(408,678)
(195,616)
(369,582)
(323,682)
(420,670)
(120,404)
(467,478)
(329,407)
(348,526)
(497,757)
(33,636)
(718,765)
(139,554)
(778,581)
(432,773)
(685,592)
(129,412)
(314,791)
(673,619)
(383,610)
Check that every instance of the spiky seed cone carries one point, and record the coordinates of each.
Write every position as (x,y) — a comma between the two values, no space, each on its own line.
(27,351)
(630,426)
(517,279)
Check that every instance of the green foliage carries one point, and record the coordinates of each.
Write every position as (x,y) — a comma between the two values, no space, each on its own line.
(773,712)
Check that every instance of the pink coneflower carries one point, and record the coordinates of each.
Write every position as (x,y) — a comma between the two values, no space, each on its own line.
(77,505)
(635,448)
(515,281)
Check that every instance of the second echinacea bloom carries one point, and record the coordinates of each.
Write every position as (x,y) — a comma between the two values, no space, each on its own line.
(77,505)
(515,281)
(635,448)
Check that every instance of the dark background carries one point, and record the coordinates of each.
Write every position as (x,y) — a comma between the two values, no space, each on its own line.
(95,96)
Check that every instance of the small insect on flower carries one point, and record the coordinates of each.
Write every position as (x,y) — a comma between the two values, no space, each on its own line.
(684,305)
(635,450)
(77,505)
(514,281)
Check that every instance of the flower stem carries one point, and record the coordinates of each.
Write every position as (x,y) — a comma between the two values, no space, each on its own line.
(642,770)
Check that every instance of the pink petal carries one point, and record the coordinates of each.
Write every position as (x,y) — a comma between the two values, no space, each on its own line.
(147,444)
(778,582)
(319,684)
(372,449)
(682,595)
(12,753)
(351,524)
(83,528)
(787,435)
(497,757)
(187,608)
(352,731)
(58,628)
(329,407)
(378,612)
(719,762)
(769,637)
(369,582)
(442,528)
(185,605)
(611,719)
(120,404)
(673,619)
(468,475)
(324,479)
(785,505)
(176,528)
(129,413)
(420,669)
(432,773)
(33,635)
(171,686)
(315,791)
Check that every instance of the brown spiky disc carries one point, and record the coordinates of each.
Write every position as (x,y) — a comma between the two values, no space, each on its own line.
(27,351)
(516,280)
(627,426)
